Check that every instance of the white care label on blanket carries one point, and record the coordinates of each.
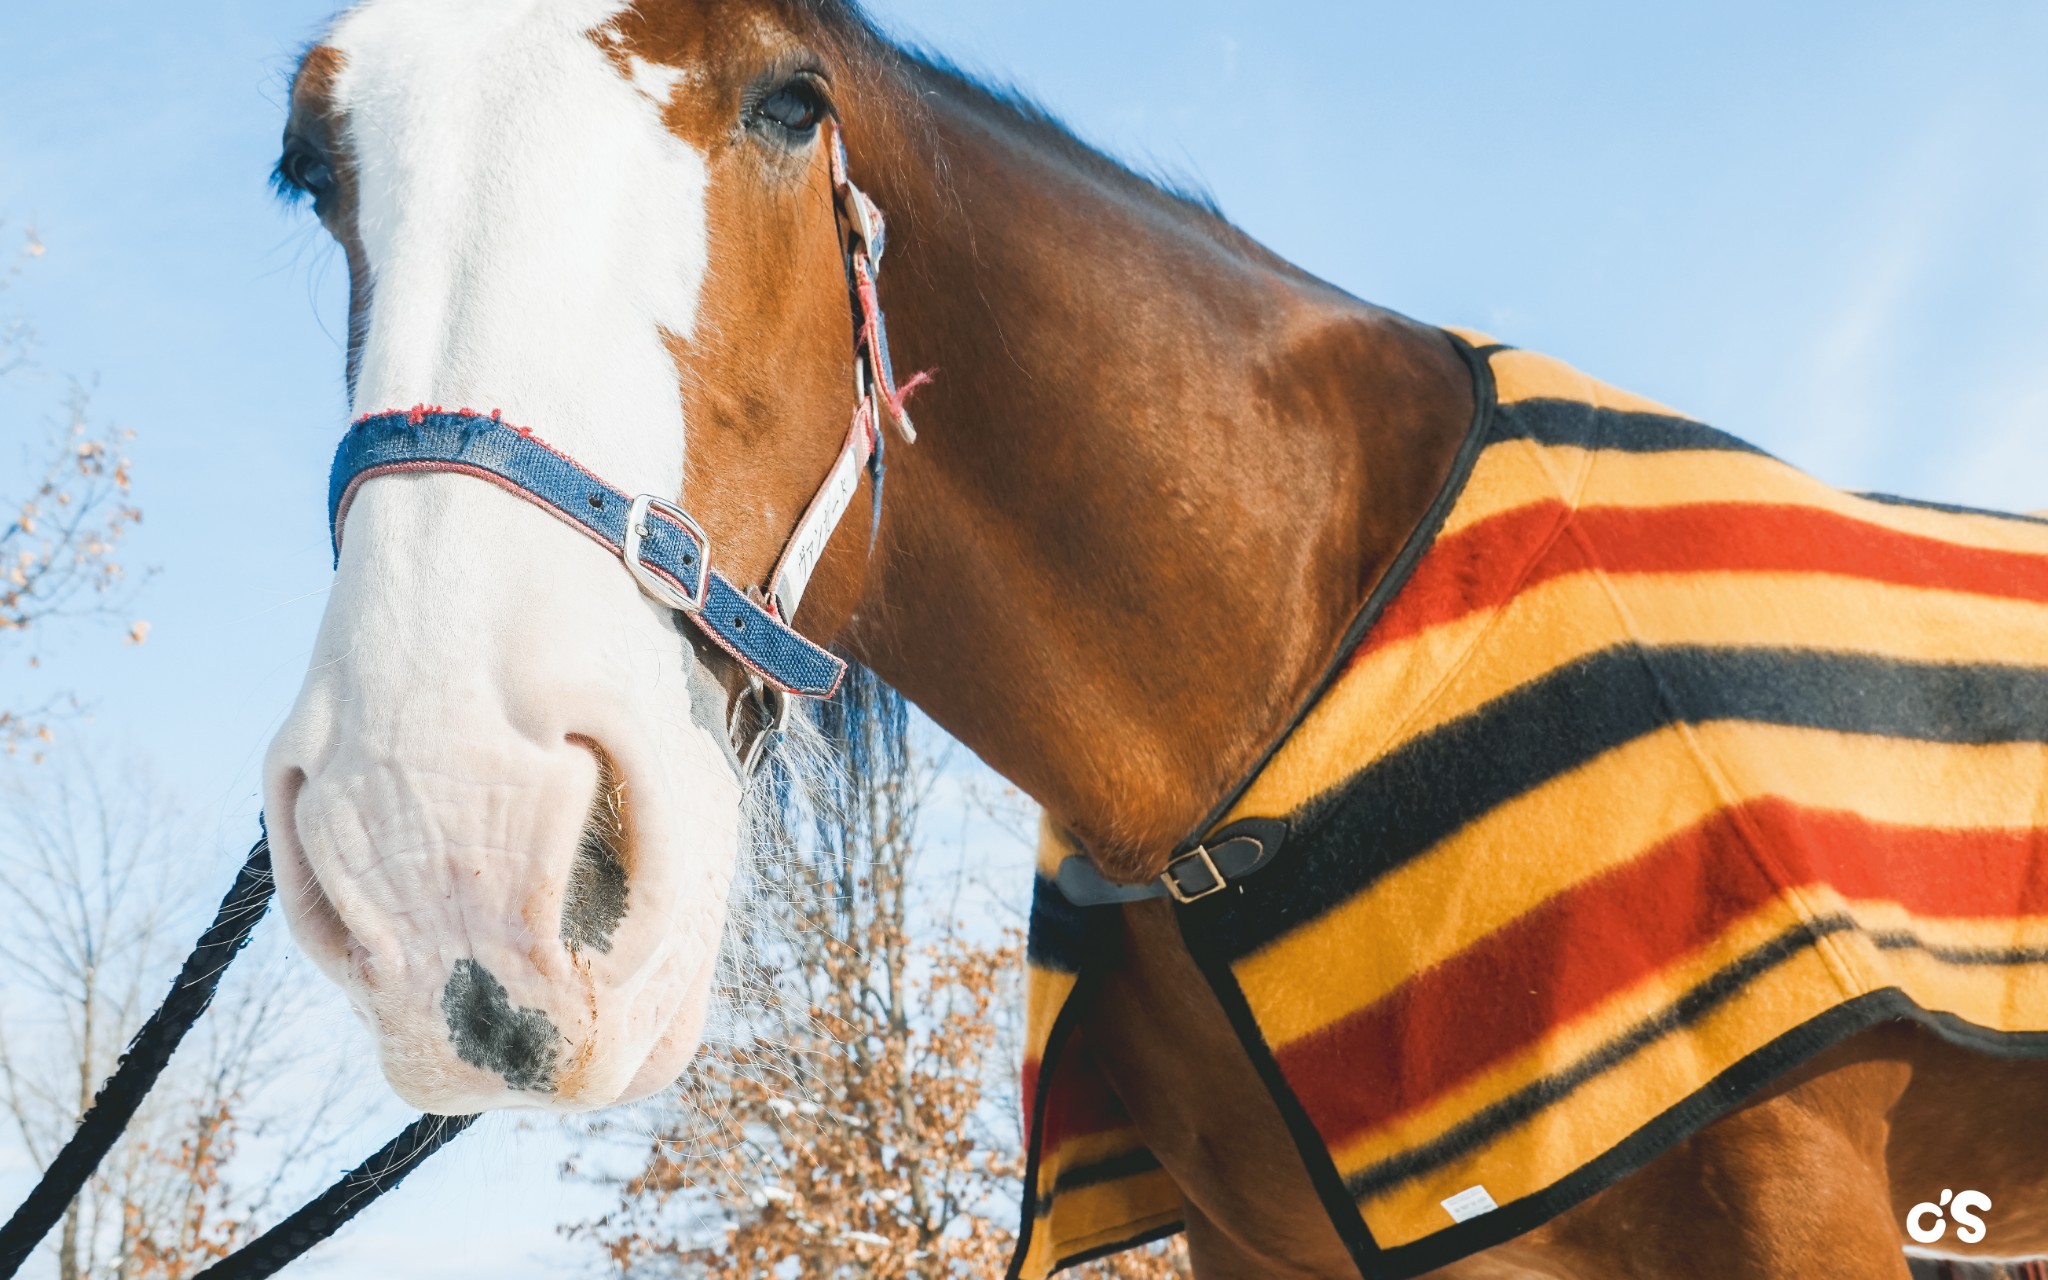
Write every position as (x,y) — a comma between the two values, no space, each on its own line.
(1469,1204)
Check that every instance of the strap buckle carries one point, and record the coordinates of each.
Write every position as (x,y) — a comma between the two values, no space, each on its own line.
(1206,876)
(867,220)
(768,708)
(654,584)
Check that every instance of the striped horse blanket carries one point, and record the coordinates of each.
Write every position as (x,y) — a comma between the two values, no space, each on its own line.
(1658,768)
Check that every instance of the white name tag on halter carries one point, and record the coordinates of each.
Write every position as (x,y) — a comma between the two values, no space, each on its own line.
(807,543)
(1469,1204)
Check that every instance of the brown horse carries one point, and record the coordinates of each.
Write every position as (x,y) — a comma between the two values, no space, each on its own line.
(1161,470)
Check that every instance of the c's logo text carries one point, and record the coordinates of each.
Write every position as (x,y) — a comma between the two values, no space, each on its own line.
(1927,1221)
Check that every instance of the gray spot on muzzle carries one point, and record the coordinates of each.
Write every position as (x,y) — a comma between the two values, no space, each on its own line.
(519,1044)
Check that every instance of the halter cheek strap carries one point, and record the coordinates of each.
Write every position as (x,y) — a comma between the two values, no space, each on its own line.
(667,552)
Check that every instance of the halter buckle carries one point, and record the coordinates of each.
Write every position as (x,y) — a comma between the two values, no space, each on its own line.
(654,584)
(769,708)
(868,223)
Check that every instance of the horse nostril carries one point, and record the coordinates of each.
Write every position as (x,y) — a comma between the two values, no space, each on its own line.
(595,900)
(311,910)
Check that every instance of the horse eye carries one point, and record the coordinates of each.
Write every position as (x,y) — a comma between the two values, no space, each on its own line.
(796,106)
(309,173)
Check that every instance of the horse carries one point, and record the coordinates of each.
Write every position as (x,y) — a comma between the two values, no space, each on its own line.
(1161,473)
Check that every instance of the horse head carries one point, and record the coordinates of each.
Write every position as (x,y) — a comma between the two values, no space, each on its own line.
(507,805)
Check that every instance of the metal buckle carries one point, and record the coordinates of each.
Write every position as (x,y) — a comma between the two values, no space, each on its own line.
(1208,864)
(867,220)
(651,582)
(773,710)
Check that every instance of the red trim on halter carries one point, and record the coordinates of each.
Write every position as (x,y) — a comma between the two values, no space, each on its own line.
(903,393)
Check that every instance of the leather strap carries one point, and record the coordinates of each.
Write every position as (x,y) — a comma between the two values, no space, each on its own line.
(1226,858)
(668,546)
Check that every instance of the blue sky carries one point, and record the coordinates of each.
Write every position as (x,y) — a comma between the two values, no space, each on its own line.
(1823,227)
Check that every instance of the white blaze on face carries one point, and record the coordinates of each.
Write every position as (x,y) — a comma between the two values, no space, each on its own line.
(530,226)
(530,230)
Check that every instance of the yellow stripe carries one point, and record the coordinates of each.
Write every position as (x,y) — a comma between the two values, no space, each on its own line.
(1520,473)
(1602,815)
(1045,995)
(2002,997)
(1981,932)
(1517,473)
(1605,1110)
(1525,375)
(1403,692)
(1104,1214)
(1997,997)
(1053,845)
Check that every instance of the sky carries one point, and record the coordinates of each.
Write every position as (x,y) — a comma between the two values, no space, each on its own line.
(1823,227)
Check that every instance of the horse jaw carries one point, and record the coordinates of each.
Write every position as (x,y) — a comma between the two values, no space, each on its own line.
(530,233)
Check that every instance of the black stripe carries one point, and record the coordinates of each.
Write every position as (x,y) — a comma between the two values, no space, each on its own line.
(1894,500)
(1900,940)
(1574,422)
(1404,804)
(1059,938)
(1128,1164)
(1538,1095)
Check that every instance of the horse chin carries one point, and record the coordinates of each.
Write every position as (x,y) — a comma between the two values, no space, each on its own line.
(672,1053)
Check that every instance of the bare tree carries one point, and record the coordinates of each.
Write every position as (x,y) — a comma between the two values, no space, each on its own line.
(64,508)
(93,883)
(857,1122)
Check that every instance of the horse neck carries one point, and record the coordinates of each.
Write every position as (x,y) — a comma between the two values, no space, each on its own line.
(1160,470)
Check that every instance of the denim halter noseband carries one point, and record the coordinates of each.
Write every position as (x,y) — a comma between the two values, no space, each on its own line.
(666,551)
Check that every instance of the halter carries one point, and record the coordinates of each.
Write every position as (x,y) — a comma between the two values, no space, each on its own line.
(665,550)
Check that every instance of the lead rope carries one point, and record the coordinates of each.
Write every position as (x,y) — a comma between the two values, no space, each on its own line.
(147,1055)
(268,1253)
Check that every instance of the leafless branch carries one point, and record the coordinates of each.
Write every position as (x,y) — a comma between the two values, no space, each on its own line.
(65,508)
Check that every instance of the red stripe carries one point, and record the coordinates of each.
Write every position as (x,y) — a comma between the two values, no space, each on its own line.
(1081,1102)
(1487,565)
(1562,959)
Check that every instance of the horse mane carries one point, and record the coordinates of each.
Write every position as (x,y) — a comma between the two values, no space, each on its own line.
(1045,126)
(864,732)
(939,76)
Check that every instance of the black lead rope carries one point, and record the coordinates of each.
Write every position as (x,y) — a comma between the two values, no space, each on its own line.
(148,1053)
(269,1252)
(144,1061)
